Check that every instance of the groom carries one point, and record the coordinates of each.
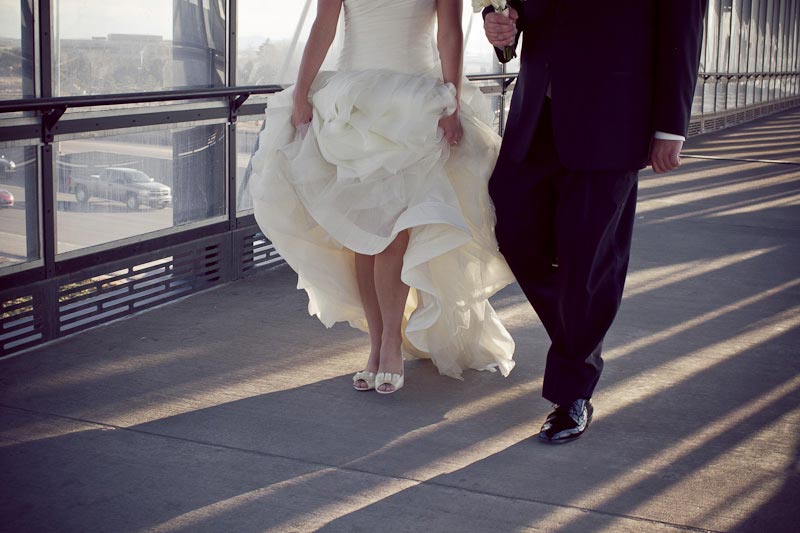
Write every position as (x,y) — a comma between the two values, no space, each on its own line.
(604,89)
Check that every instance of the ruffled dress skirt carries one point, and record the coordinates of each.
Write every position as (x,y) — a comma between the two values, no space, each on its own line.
(372,164)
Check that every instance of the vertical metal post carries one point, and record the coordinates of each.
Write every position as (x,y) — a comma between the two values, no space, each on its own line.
(718,50)
(749,60)
(766,66)
(233,44)
(793,12)
(733,55)
(704,63)
(503,90)
(48,207)
(782,46)
(232,154)
(791,66)
(761,51)
(234,251)
(773,47)
(795,63)
(794,53)
(28,48)
(744,48)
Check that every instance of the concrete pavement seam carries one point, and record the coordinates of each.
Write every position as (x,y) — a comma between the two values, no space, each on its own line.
(360,471)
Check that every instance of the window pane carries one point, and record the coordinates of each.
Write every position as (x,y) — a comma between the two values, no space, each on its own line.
(19,220)
(479,56)
(272,35)
(271,38)
(16,50)
(247,130)
(120,186)
(149,45)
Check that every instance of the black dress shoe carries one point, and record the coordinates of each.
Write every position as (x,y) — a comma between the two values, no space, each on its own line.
(567,423)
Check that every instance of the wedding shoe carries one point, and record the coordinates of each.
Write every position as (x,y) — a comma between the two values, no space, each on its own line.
(567,422)
(365,376)
(395,380)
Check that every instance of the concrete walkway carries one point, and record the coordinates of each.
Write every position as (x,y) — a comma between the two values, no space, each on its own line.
(233,410)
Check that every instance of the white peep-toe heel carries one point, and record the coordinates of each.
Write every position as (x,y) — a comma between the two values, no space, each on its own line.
(386,378)
(365,376)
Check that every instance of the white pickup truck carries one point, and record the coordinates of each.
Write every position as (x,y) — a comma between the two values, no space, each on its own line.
(128,185)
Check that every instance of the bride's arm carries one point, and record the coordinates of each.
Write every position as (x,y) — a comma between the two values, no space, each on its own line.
(319,41)
(450,41)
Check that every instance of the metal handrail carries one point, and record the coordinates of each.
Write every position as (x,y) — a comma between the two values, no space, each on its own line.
(746,74)
(44,104)
(490,77)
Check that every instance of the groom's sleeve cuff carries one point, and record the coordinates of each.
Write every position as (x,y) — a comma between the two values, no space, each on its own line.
(668,136)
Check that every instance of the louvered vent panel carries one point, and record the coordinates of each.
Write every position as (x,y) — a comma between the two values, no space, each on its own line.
(100,298)
(21,324)
(258,253)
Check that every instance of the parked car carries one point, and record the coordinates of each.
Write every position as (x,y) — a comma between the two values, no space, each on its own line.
(6,198)
(7,167)
(128,185)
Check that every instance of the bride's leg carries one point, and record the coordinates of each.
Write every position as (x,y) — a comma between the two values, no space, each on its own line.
(392,294)
(365,275)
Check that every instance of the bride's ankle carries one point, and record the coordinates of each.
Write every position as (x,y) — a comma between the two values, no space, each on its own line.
(373,361)
(392,362)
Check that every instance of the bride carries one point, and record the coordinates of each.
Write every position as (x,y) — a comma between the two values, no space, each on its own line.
(371,182)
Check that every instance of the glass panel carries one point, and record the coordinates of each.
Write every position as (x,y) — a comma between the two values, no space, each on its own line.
(120,186)
(752,33)
(781,38)
(772,38)
(271,37)
(712,36)
(744,16)
(19,215)
(247,130)
(724,54)
(724,36)
(106,47)
(709,89)
(479,55)
(735,41)
(16,49)
(697,101)
(761,65)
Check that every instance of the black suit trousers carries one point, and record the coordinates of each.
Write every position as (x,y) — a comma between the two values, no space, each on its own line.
(566,235)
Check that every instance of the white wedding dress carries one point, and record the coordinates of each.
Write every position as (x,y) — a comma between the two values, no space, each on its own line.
(373,163)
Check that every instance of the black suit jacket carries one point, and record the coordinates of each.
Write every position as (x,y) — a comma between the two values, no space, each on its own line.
(619,71)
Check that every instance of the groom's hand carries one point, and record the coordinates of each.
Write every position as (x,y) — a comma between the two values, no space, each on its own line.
(501,30)
(665,155)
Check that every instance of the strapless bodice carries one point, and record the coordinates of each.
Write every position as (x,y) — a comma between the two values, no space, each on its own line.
(389,34)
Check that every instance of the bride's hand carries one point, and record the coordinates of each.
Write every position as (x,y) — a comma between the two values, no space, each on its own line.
(301,113)
(451,126)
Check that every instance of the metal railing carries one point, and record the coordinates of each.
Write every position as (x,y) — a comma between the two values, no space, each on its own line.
(727,99)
